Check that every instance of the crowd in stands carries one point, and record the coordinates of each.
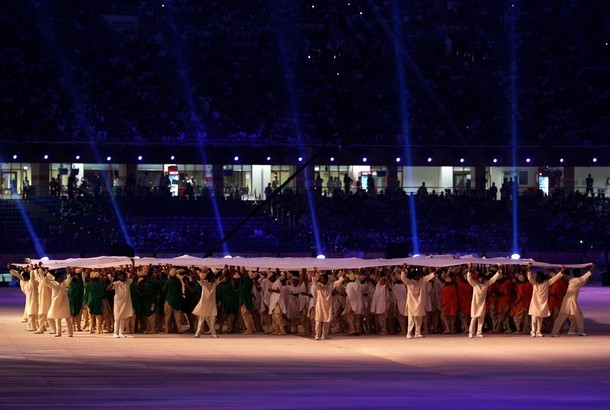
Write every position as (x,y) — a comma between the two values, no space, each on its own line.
(468,221)
(252,72)
(464,222)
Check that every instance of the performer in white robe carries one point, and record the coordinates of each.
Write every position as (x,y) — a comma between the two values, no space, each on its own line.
(266,284)
(539,308)
(293,313)
(278,304)
(303,302)
(60,304)
(415,282)
(379,305)
(354,304)
(479,296)
(324,302)
(29,287)
(123,307)
(570,307)
(44,302)
(399,290)
(206,308)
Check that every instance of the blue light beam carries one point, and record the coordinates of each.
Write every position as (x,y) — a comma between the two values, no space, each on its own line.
(404,116)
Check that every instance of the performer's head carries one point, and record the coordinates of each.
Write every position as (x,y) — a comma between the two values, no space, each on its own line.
(122,276)
(324,279)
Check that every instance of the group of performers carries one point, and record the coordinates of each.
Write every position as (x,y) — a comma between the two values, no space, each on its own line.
(407,300)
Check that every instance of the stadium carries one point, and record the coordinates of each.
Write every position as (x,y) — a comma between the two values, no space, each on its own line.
(305,134)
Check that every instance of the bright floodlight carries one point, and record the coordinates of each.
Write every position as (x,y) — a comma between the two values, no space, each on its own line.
(77,157)
(515,256)
(44,259)
(495,160)
(172,157)
(268,158)
(108,158)
(235,158)
(320,256)
(429,159)
(300,159)
(228,257)
(397,159)
(46,156)
(528,160)
(15,156)
(462,160)
(139,157)
(364,159)
(332,159)
(594,159)
(561,160)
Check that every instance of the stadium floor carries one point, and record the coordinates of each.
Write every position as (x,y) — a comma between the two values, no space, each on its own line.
(277,372)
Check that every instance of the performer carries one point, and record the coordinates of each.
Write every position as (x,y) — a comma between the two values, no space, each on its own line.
(569,306)
(60,305)
(479,294)
(304,300)
(324,302)
(415,281)
(94,293)
(379,305)
(449,303)
(44,302)
(29,287)
(506,295)
(206,308)
(122,307)
(557,292)
(539,307)
(243,284)
(278,304)
(399,290)
(464,299)
(173,302)
(354,304)
(76,291)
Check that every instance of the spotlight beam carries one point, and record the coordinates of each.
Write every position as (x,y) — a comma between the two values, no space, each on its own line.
(48,33)
(513,126)
(290,87)
(188,97)
(404,115)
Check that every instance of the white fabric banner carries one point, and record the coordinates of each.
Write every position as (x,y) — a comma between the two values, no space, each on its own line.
(438,261)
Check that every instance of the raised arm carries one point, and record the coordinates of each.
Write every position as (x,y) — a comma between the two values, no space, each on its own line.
(584,278)
(529,274)
(497,276)
(339,281)
(469,275)
(15,273)
(558,276)
(403,273)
